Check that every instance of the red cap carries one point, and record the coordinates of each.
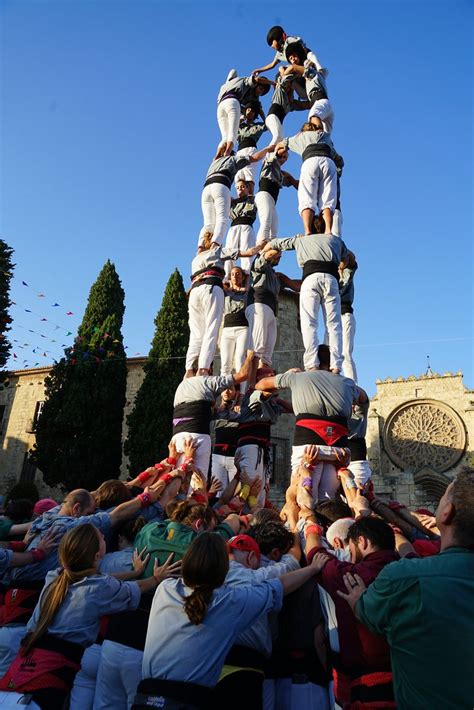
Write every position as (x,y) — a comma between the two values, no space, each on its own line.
(244,543)
(43,505)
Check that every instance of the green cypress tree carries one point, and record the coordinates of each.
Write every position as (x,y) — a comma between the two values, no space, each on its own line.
(79,432)
(6,273)
(150,422)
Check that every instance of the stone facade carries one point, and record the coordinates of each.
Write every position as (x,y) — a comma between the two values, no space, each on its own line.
(420,429)
(420,433)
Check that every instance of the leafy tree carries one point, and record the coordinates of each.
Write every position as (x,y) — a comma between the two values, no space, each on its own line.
(150,422)
(6,273)
(79,432)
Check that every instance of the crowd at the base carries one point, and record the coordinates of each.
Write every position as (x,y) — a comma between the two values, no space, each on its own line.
(184,588)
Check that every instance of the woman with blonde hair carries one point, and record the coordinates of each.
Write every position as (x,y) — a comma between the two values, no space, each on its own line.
(66,621)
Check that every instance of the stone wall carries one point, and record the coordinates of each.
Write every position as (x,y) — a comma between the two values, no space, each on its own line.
(420,429)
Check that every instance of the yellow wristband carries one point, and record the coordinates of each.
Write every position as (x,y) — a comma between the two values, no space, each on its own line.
(244,493)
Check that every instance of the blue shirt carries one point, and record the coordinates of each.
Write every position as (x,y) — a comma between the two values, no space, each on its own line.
(258,635)
(60,523)
(5,560)
(78,617)
(176,649)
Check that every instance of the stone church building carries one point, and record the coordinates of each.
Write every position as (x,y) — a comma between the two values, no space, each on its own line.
(420,430)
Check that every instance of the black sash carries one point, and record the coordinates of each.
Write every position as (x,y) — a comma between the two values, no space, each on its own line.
(261,295)
(278,111)
(221,178)
(317,149)
(172,695)
(313,266)
(346,308)
(358,448)
(243,220)
(267,185)
(318,94)
(234,320)
(194,417)
(247,142)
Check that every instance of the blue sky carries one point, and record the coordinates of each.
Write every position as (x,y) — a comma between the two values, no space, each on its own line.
(109,125)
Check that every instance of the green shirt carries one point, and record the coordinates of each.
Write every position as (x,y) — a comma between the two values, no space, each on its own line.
(425,609)
(5,525)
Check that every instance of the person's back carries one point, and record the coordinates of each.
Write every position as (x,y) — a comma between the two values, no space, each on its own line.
(429,606)
(319,392)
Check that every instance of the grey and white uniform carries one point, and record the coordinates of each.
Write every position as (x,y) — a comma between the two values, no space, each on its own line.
(346,289)
(270,183)
(317,93)
(262,302)
(319,256)
(248,137)
(243,213)
(193,402)
(206,304)
(236,92)
(233,344)
(216,198)
(282,104)
(359,465)
(257,415)
(325,399)
(318,180)
(225,445)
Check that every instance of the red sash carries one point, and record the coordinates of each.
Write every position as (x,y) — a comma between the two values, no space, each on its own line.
(19,605)
(38,670)
(330,432)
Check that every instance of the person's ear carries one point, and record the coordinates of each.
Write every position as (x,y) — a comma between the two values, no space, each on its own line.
(198,524)
(447,514)
(337,544)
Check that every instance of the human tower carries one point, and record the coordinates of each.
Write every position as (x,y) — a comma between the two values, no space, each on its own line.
(240,299)
(243,298)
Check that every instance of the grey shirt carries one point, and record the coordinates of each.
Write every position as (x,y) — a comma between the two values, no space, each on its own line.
(227,166)
(234,302)
(243,207)
(251,130)
(302,140)
(242,87)
(213,258)
(346,285)
(263,277)
(271,169)
(319,392)
(315,82)
(358,420)
(257,408)
(201,388)
(313,247)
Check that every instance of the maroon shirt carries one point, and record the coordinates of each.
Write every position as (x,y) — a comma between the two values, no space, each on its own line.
(360,650)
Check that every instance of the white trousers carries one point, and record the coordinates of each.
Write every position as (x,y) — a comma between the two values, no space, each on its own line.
(262,331)
(275,127)
(228,117)
(317,188)
(205,308)
(250,459)
(337,223)
(202,454)
(224,469)
(249,173)
(215,205)
(13,700)
(84,688)
(361,471)
(325,480)
(267,216)
(233,348)
(120,672)
(10,640)
(241,237)
(320,290)
(348,333)
(323,110)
